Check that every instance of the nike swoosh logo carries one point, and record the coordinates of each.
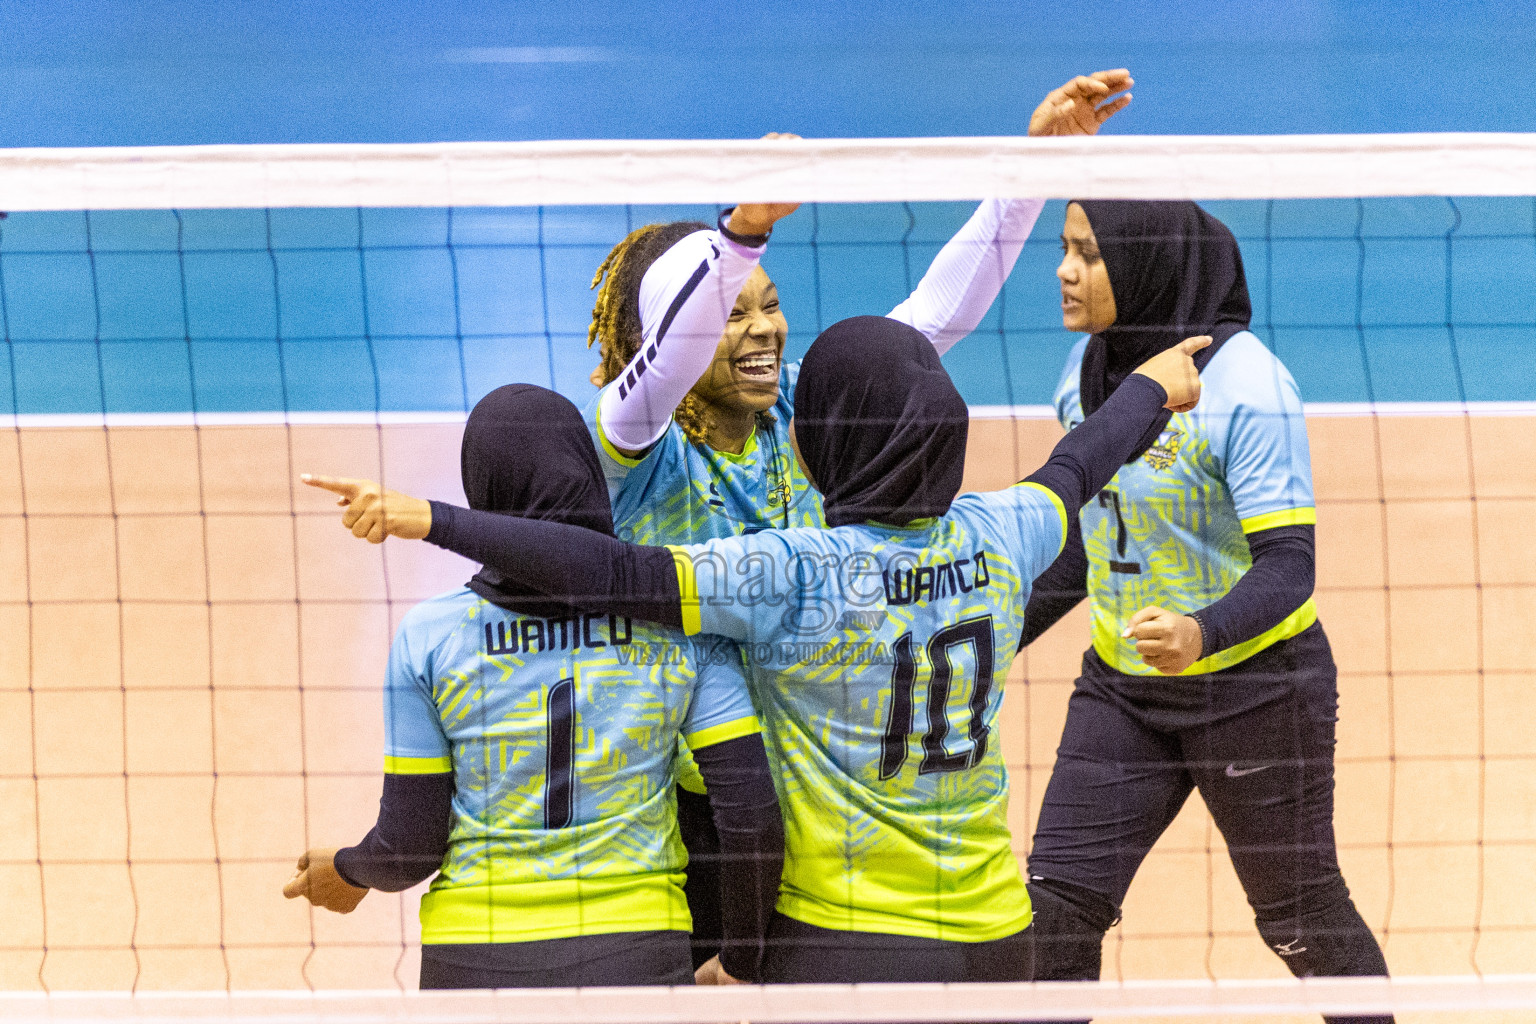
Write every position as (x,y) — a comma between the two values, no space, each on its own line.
(1234,772)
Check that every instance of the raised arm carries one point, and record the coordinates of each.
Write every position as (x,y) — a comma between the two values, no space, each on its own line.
(969,271)
(967,274)
(686,298)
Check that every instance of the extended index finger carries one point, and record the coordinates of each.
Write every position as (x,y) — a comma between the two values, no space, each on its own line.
(344,486)
(1189,346)
(297,886)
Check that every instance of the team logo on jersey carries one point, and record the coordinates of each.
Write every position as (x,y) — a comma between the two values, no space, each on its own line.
(1162,454)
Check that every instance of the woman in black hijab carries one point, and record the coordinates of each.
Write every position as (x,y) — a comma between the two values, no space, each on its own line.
(879,648)
(561,865)
(1208,667)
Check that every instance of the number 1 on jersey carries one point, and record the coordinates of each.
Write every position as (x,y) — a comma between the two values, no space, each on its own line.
(893,745)
(559,757)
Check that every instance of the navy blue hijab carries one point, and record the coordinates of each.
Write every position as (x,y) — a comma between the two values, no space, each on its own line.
(880,426)
(1176,272)
(527,452)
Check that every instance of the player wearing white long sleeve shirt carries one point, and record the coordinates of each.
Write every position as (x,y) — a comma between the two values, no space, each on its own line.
(669,489)
(692,423)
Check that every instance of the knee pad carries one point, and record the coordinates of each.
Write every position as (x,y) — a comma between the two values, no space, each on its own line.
(1328,940)
(1333,941)
(1069,926)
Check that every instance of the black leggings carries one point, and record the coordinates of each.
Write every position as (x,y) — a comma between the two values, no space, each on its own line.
(803,953)
(1125,768)
(619,958)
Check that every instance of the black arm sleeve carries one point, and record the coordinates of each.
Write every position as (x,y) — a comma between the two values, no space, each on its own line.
(577,566)
(1057,590)
(1092,452)
(746,812)
(1281,579)
(406,845)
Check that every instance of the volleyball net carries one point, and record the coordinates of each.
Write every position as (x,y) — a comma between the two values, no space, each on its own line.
(191,651)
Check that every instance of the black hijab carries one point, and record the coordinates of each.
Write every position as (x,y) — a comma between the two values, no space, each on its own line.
(1176,272)
(880,426)
(527,452)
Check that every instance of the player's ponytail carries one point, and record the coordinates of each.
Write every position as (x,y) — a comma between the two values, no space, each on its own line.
(616,326)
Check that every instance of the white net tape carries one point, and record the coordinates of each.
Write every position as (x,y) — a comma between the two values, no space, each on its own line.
(822,170)
(1467,997)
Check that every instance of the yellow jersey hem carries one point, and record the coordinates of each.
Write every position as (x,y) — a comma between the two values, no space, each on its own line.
(554,909)
(849,919)
(721,733)
(630,461)
(1282,517)
(417,765)
(1061,509)
(687,588)
(1292,624)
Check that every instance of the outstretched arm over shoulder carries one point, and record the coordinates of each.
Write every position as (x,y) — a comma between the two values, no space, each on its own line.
(580,567)
(1084,461)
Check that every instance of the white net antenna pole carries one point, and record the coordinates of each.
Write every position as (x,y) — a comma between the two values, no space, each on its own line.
(820,170)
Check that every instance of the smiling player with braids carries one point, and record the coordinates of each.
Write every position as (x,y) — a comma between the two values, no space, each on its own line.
(695,396)
(691,423)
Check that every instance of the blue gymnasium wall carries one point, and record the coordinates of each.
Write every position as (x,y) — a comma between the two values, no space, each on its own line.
(399,310)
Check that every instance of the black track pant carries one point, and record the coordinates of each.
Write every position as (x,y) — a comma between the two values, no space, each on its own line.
(622,958)
(805,954)
(1265,770)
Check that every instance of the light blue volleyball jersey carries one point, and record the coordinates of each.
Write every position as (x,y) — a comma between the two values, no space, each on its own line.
(877,658)
(560,733)
(1171,528)
(683,493)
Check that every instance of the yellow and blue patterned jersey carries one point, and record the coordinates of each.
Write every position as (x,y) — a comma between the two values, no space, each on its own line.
(560,734)
(683,493)
(1171,528)
(877,659)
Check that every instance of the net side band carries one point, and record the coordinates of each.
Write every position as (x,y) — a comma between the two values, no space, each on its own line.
(726,171)
(794,1003)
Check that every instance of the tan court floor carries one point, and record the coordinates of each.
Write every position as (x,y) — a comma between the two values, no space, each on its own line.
(189,697)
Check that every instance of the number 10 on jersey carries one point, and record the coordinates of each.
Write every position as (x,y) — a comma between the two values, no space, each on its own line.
(941,683)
